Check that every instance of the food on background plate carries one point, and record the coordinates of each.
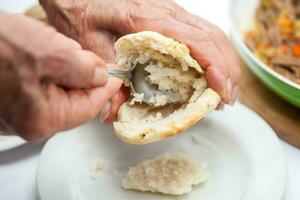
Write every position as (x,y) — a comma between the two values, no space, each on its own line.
(275,39)
(170,67)
(173,174)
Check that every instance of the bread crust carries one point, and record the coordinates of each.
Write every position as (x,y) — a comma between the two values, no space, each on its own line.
(126,130)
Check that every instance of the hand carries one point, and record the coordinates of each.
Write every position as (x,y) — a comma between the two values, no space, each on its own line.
(97,23)
(47,82)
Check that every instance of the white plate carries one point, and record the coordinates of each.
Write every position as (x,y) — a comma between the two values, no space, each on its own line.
(244,157)
(9,142)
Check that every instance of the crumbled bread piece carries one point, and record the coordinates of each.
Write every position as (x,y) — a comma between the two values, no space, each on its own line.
(137,98)
(169,174)
(96,166)
(93,175)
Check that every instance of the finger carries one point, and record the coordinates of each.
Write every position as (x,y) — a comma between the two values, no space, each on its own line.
(43,38)
(74,69)
(208,56)
(116,101)
(221,41)
(61,110)
(86,105)
(65,42)
(218,82)
(101,43)
(108,116)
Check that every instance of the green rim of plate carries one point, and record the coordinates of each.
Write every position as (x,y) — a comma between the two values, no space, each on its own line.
(286,91)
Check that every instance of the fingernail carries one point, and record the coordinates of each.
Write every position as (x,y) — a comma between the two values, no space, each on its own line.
(228,90)
(100,76)
(105,111)
(234,95)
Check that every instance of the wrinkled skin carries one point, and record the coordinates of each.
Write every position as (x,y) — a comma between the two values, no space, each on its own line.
(47,82)
(96,24)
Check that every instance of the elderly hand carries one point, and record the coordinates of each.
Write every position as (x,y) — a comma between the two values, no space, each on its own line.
(97,23)
(47,82)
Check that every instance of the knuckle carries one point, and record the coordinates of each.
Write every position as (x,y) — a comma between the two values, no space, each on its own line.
(216,31)
(141,15)
(132,20)
(85,40)
(201,36)
(178,11)
(212,29)
(215,28)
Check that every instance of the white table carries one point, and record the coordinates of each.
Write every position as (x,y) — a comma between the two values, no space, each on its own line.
(18,166)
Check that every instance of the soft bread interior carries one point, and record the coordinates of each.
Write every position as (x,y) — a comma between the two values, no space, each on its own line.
(173,174)
(170,67)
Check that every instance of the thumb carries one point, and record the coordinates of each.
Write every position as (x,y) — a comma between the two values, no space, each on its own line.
(75,69)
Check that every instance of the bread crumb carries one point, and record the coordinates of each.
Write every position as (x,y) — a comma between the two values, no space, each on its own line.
(93,175)
(96,166)
(168,174)
(137,98)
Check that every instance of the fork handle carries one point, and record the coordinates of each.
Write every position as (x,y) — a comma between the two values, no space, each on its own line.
(121,74)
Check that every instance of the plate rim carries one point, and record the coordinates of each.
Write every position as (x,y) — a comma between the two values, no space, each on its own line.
(11,142)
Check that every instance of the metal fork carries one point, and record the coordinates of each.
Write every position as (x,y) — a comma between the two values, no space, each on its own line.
(122,74)
(135,79)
